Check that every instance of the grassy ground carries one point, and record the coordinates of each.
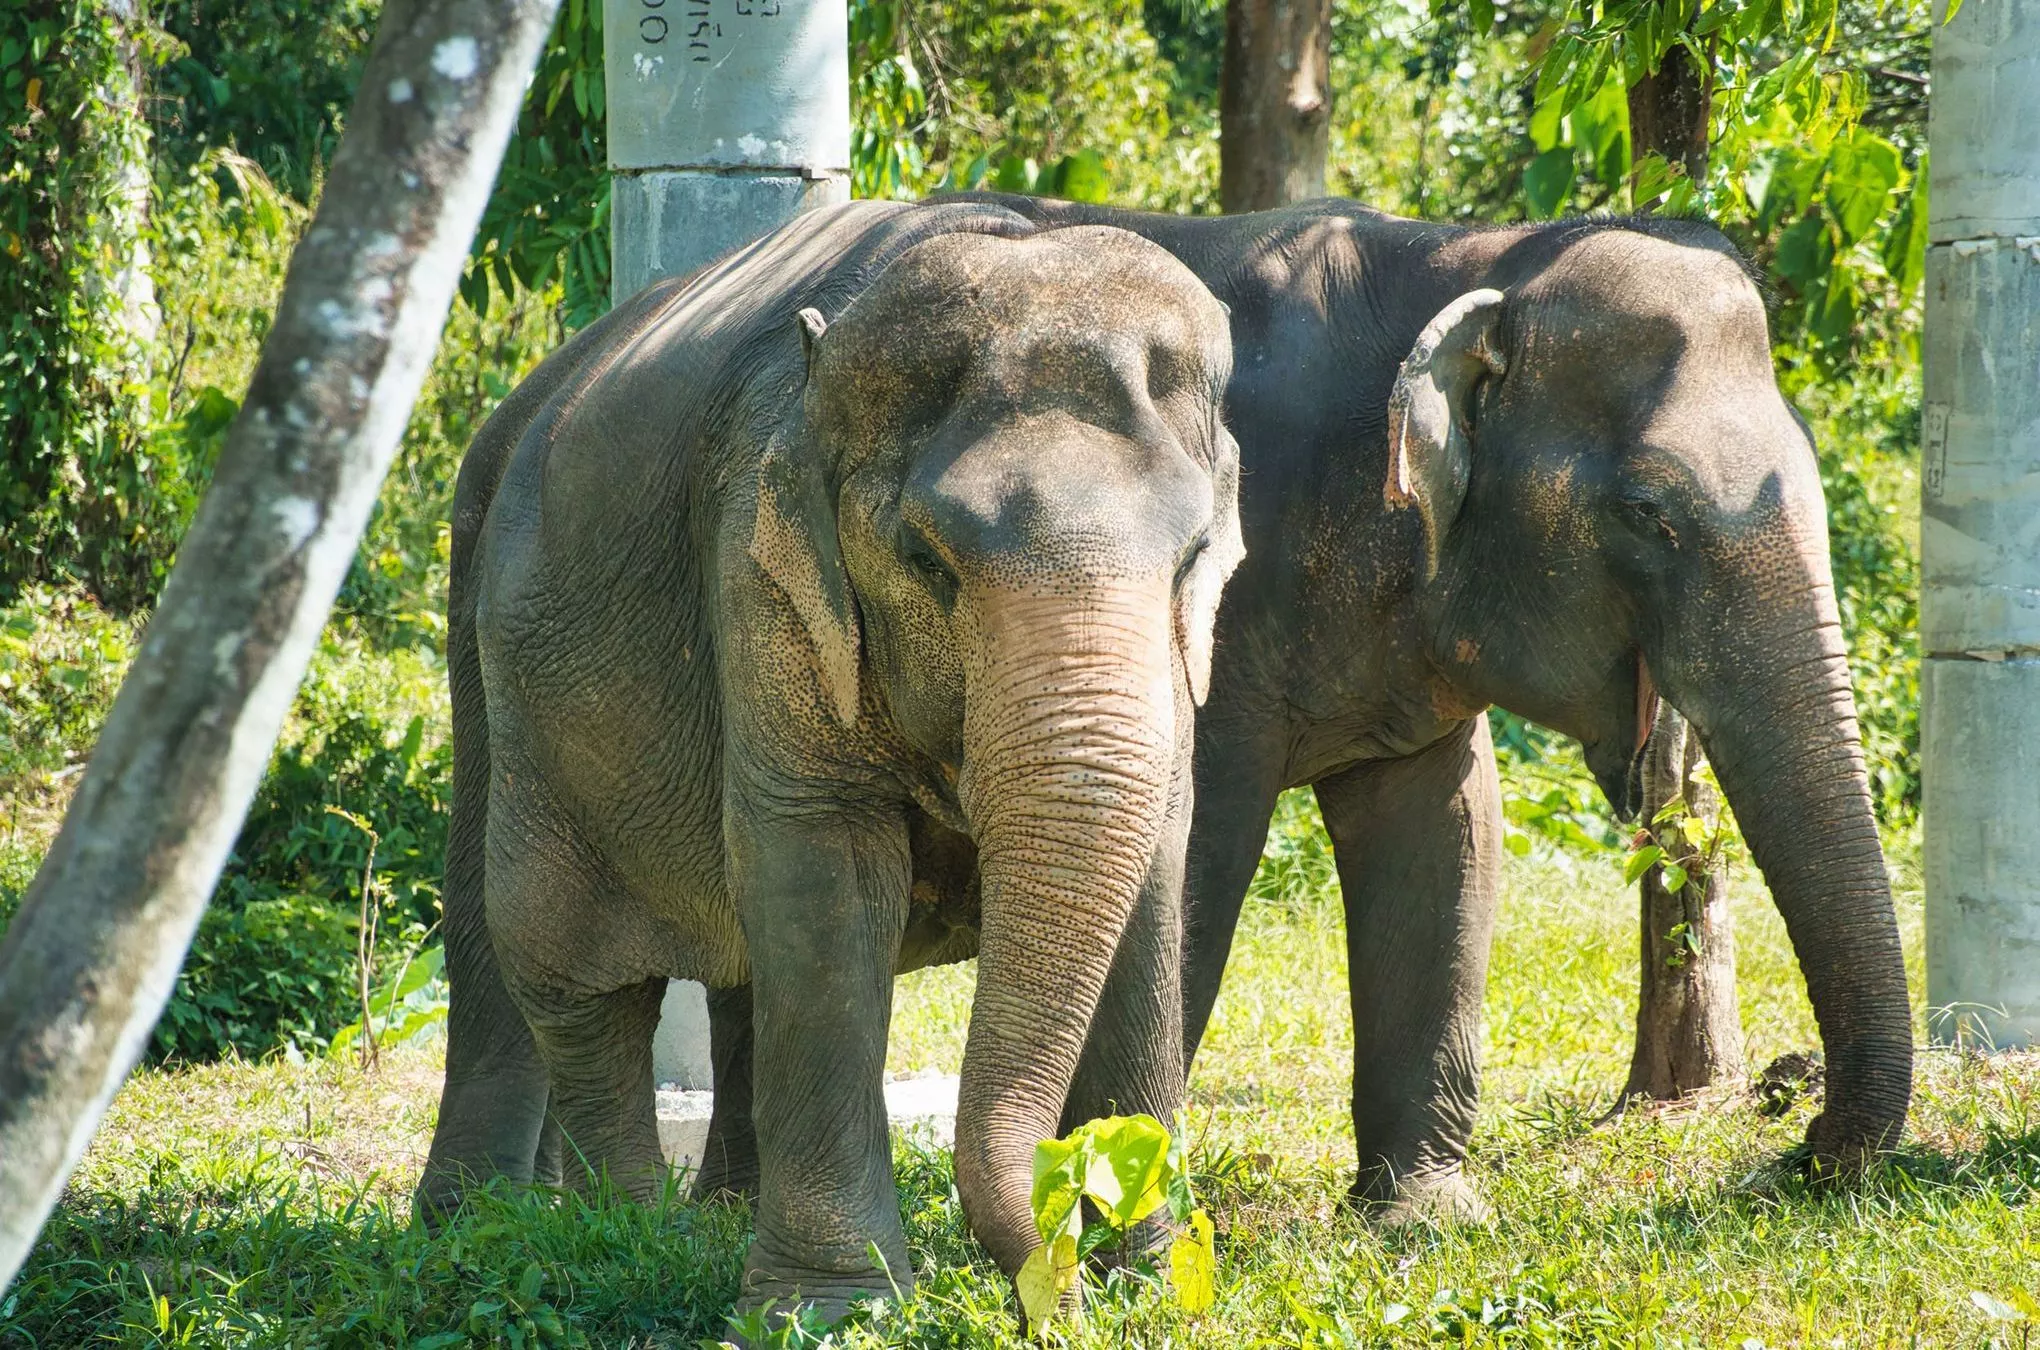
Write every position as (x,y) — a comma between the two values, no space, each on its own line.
(264,1204)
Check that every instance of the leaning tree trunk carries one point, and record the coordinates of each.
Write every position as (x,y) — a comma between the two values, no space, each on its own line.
(91,957)
(1275,102)
(1688,1032)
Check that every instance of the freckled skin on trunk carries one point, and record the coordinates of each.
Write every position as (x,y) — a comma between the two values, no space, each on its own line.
(1068,735)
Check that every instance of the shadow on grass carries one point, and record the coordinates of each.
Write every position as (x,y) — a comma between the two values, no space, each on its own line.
(264,1258)
(252,1253)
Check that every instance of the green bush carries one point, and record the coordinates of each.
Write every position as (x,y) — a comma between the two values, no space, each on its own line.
(265,975)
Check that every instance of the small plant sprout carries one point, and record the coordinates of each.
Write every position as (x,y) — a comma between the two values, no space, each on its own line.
(1128,1167)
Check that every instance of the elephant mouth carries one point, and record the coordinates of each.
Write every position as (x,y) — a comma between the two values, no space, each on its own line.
(1646,704)
(1619,770)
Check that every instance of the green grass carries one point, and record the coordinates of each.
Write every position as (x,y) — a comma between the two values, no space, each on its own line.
(243,1204)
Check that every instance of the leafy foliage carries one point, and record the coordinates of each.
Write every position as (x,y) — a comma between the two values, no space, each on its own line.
(74,315)
(548,219)
(1127,1167)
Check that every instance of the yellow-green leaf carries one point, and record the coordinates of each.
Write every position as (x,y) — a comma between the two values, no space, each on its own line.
(1193,1265)
(1046,1275)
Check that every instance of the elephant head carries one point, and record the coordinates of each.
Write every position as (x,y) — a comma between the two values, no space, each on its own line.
(1616,500)
(1006,524)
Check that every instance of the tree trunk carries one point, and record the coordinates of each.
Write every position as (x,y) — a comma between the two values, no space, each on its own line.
(1688,1034)
(1668,113)
(1275,102)
(1688,1031)
(90,960)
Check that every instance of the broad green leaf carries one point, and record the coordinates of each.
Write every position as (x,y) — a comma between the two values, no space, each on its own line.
(1046,1275)
(1905,247)
(1600,126)
(1060,1166)
(1193,1265)
(1805,252)
(1548,180)
(1640,862)
(1674,878)
(1483,12)
(1546,125)
(1863,169)
(1695,830)
(1082,178)
(1125,1176)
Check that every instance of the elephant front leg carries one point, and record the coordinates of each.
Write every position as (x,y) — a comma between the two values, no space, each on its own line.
(729,1159)
(822,892)
(1418,844)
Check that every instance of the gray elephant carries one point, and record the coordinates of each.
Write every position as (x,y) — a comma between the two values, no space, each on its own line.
(753,622)
(1546,467)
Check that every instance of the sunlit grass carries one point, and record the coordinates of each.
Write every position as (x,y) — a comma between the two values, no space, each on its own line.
(265,1204)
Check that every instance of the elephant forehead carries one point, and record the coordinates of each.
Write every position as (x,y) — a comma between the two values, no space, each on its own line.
(950,300)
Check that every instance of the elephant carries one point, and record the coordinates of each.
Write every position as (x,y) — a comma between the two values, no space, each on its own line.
(1546,467)
(894,539)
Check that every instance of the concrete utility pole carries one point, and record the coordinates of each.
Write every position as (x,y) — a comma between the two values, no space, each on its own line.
(1980,527)
(727,118)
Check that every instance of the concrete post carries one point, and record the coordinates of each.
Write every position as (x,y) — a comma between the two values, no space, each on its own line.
(727,118)
(1980,528)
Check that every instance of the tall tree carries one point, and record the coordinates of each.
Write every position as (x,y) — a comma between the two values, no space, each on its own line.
(1275,102)
(92,955)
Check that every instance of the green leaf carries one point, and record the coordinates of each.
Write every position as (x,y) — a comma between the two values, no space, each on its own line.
(1125,1176)
(1483,12)
(1046,1275)
(1805,252)
(1905,247)
(1863,169)
(1674,878)
(1548,180)
(1193,1266)
(1060,1168)
(1082,178)
(1600,126)
(1640,862)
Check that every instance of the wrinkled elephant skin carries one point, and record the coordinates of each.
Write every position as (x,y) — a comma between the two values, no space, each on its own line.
(888,548)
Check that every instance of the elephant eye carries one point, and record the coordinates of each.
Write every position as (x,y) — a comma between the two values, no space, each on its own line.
(928,567)
(1190,557)
(1648,513)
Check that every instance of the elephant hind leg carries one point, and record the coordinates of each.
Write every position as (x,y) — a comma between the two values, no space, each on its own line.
(493,1100)
(598,1049)
(729,1160)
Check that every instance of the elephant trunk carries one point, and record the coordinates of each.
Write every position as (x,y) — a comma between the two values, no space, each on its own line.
(1786,748)
(1069,720)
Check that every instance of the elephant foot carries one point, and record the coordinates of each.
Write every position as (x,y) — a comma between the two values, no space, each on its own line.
(1445,1197)
(771,1303)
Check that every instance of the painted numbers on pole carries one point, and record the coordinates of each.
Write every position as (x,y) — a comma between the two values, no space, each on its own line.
(728,84)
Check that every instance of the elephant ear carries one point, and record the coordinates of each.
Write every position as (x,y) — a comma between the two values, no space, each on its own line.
(1198,595)
(1430,445)
(794,541)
